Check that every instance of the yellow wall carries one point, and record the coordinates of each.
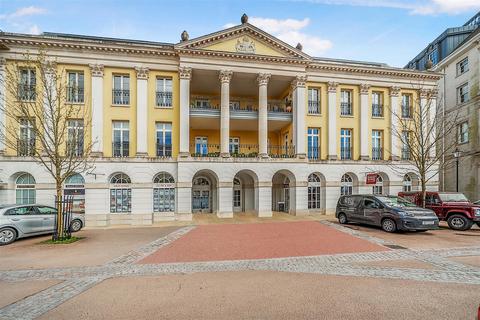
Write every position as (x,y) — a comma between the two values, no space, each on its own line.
(380,123)
(350,122)
(318,121)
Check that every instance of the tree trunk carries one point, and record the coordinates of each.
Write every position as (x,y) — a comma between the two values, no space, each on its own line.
(424,192)
(59,226)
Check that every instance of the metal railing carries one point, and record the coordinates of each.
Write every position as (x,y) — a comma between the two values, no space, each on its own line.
(65,204)
(406,111)
(164,150)
(377,153)
(346,153)
(346,109)
(244,150)
(209,106)
(121,149)
(74,148)
(278,108)
(163,99)
(313,107)
(121,97)
(406,154)
(27,92)
(75,95)
(377,110)
(248,108)
(25,147)
(313,153)
(281,151)
(205,150)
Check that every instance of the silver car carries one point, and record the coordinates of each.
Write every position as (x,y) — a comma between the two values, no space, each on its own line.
(20,221)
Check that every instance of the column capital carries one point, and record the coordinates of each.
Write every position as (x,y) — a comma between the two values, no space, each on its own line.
(424,93)
(394,91)
(433,93)
(142,72)
(225,76)
(96,70)
(332,86)
(299,81)
(263,78)
(364,88)
(185,72)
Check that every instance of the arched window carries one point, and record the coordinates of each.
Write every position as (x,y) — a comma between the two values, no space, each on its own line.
(201,182)
(237,191)
(313,191)
(120,194)
(25,189)
(163,193)
(407,183)
(346,185)
(378,187)
(75,187)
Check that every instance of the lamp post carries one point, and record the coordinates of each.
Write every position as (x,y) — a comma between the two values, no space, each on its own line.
(456,155)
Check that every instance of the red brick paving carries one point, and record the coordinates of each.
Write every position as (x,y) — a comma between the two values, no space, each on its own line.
(258,241)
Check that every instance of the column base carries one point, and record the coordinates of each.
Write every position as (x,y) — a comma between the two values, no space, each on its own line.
(265,214)
(332,157)
(141,155)
(263,155)
(225,215)
(301,155)
(394,158)
(96,154)
(365,158)
(225,154)
(183,154)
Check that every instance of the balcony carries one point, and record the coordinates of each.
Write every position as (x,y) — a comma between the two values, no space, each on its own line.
(377,153)
(346,153)
(120,97)
(27,92)
(164,150)
(202,150)
(281,151)
(120,149)
(313,107)
(313,153)
(25,147)
(75,95)
(163,99)
(346,109)
(406,154)
(377,110)
(244,150)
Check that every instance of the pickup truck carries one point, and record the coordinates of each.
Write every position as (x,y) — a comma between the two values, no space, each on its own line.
(452,207)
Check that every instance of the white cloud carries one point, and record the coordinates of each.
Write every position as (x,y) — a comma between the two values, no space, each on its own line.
(34,29)
(447,6)
(290,31)
(23,12)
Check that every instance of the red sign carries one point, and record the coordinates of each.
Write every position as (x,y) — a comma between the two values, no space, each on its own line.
(371,178)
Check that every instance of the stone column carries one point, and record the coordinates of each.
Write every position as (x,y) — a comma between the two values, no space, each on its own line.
(183,198)
(332,120)
(364,115)
(395,113)
(97,109)
(185,76)
(225,200)
(225,77)
(49,98)
(432,96)
(3,118)
(262,80)
(299,105)
(301,198)
(142,111)
(264,192)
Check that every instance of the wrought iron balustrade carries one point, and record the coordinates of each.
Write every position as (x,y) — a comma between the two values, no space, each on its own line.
(313,153)
(346,109)
(27,92)
(25,147)
(244,150)
(205,150)
(346,153)
(275,151)
(121,97)
(164,150)
(75,94)
(163,99)
(313,107)
(377,110)
(377,153)
(121,149)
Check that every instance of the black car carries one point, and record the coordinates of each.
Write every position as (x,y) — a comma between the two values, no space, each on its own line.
(392,213)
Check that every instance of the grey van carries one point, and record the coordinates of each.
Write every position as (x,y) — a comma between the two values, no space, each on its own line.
(392,213)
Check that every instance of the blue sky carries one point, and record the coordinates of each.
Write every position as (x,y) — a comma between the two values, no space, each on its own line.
(390,31)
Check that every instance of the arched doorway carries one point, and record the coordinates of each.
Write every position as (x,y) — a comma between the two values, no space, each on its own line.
(25,189)
(244,192)
(283,192)
(204,192)
(316,192)
(381,186)
(410,182)
(75,187)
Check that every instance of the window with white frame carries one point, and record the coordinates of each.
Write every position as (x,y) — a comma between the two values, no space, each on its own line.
(27,85)
(405,145)
(462,129)
(346,144)
(163,193)
(407,183)
(164,92)
(314,184)
(406,105)
(463,94)
(346,108)
(26,143)
(201,145)
(75,133)
(121,90)
(378,187)
(462,66)
(202,104)
(377,104)
(234,145)
(313,101)
(346,185)
(121,139)
(377,149)
(164,139)
(25,189)
(120,194)
(75,88)
(313,141)
(237,193)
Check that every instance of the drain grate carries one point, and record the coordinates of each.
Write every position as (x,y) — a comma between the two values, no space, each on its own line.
(394,246)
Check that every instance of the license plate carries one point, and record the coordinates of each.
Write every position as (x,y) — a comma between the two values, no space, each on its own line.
(428,222)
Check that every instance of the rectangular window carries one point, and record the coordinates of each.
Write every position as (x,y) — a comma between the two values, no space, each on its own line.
(75,132)
(462,66)
(164,139)
(377,150)
(346,103)
(377,104)
(121,90)
(462,130)
(234,145)
(120,200)
(27,85)
(405,145)
(406,105)
(462,94)
(26,143)
(201,146)
(346,144)
(164,92)
(121,139)
(75,88)
(313,143)
(313,101)
(433,56)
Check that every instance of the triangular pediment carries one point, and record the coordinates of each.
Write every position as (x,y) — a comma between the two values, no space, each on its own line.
(244,39)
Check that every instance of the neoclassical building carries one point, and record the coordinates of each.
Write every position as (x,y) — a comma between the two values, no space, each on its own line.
(233,121)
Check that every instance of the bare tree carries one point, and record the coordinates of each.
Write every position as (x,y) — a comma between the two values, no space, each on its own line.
(45,120)
(425,134)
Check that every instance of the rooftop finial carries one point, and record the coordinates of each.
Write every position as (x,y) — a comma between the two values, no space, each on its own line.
(244,18)
(184,35)
(299,46)
(428,64)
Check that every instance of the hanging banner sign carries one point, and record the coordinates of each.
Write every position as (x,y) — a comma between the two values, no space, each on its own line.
(371,178)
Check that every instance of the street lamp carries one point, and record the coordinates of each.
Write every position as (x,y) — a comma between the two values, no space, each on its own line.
(456,155)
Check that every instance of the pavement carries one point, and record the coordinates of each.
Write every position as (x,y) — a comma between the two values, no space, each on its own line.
(278,268)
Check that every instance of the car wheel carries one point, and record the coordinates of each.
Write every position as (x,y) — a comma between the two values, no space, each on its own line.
(76,225)
(478,224)
(388,225)
(459,222)
(7,236)
(342,218)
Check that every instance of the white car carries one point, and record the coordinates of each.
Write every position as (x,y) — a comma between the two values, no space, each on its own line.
(20,221)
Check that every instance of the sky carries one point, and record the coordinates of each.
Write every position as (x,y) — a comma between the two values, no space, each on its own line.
(388,31)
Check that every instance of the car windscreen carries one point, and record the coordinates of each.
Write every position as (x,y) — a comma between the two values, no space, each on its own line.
(453,197)
(392,201)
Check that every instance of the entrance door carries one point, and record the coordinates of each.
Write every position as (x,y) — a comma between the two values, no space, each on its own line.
(201,201)
(286,196)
